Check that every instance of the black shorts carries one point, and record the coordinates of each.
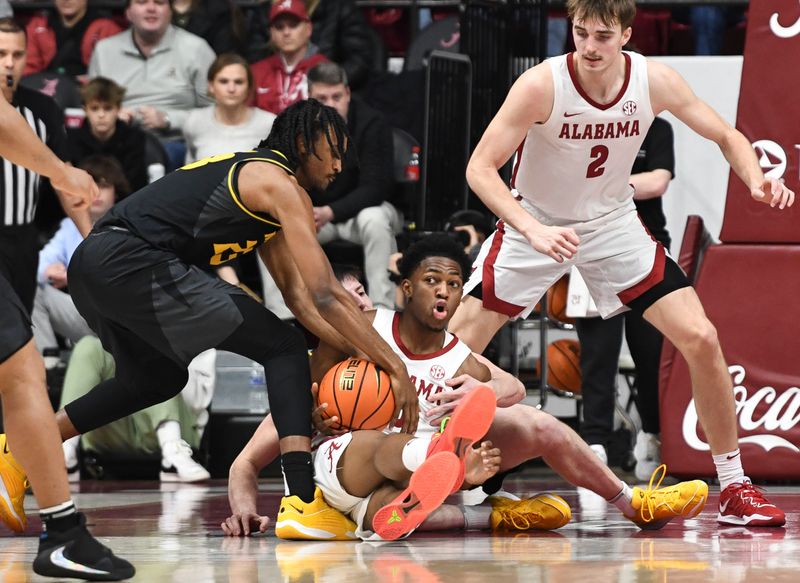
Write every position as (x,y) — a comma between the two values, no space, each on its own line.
(19,261)
(15,323)
(137,297)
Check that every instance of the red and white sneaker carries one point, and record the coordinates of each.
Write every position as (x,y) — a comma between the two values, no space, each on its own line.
(743,504)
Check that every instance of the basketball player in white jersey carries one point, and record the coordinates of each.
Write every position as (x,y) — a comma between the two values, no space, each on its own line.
(577,122)
(441,365)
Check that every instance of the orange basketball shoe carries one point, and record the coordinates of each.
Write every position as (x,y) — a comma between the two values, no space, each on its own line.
(429,486)
(656,506)
(470,421)
(13,484)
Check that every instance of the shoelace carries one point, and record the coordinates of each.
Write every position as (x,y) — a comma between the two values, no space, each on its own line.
(181,449)
(750,490)
(519,519)
(648,494)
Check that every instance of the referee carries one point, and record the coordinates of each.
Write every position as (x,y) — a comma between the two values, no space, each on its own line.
(19,187)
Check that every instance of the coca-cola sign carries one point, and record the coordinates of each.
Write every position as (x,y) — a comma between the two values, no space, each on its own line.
(782,414)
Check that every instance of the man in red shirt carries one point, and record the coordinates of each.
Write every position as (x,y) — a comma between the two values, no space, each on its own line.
(280,80)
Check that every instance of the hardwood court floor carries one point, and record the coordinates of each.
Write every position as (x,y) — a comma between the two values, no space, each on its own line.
(171,533)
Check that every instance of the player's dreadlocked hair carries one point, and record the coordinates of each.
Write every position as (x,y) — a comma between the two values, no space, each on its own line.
(306,120)
(434,246)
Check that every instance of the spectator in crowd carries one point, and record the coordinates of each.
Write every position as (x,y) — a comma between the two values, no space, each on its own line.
(102,132)
(53,309)
(601,340)
(355,207)
(280,80)
(219,22)
(20,188)
(168,427)
(162,68)
(62,40)
(471,228)
(230,125)
(342,34)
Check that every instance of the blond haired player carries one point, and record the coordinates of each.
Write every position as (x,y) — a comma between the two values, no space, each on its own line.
(577,122)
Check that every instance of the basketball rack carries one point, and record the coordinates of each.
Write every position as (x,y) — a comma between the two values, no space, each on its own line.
(545,323)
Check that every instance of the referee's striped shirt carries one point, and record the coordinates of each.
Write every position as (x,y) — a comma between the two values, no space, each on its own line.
(19,187)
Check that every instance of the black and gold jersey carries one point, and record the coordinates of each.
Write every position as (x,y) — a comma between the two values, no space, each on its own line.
(196,212)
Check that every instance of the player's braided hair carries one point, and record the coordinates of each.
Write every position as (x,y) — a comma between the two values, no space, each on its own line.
(434,246)
(306,120)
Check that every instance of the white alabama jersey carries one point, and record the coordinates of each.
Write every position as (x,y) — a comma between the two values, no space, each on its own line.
(576,166)
(428,372)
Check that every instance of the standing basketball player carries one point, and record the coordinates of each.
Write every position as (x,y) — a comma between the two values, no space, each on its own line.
(577,122)
(66,549)
(140,279)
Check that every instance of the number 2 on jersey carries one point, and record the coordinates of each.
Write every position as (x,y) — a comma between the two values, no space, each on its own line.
(599,156)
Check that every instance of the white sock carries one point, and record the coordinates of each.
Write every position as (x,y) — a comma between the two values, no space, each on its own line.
(623,501)
(168,431)
(70,448)
(476,517)
(729,468)
(415,452)
(59,510)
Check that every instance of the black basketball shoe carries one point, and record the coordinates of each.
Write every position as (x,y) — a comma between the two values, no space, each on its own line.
(76,553)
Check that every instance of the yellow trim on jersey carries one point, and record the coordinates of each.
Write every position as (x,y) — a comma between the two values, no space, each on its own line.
(233,194)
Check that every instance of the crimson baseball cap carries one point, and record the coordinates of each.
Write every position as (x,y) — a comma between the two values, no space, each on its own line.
(294,7)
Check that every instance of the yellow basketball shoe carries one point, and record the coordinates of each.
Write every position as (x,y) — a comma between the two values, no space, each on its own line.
(656,506)
(13,483)
(315,520)
(542,512)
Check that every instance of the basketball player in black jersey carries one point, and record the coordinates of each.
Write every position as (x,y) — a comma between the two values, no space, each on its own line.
(66,549)
(140,281)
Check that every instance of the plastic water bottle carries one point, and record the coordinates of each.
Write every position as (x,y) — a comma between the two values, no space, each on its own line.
(258,389)
(412,170)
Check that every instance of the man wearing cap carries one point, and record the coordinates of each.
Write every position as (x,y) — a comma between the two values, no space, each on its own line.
(280,80)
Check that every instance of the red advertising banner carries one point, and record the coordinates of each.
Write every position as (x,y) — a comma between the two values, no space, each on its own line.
(769,116)
(750,294)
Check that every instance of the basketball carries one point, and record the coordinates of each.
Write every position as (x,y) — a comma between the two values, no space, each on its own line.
(557,301)
(359,393)
(563,365)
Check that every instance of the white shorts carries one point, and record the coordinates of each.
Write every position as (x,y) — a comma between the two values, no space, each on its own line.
(326,461)
(618,259)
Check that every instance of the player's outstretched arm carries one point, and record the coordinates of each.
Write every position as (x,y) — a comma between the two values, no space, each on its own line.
(280,264)
(669,91)
(529,101)
(265,188)
(19,145)
(263,448)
